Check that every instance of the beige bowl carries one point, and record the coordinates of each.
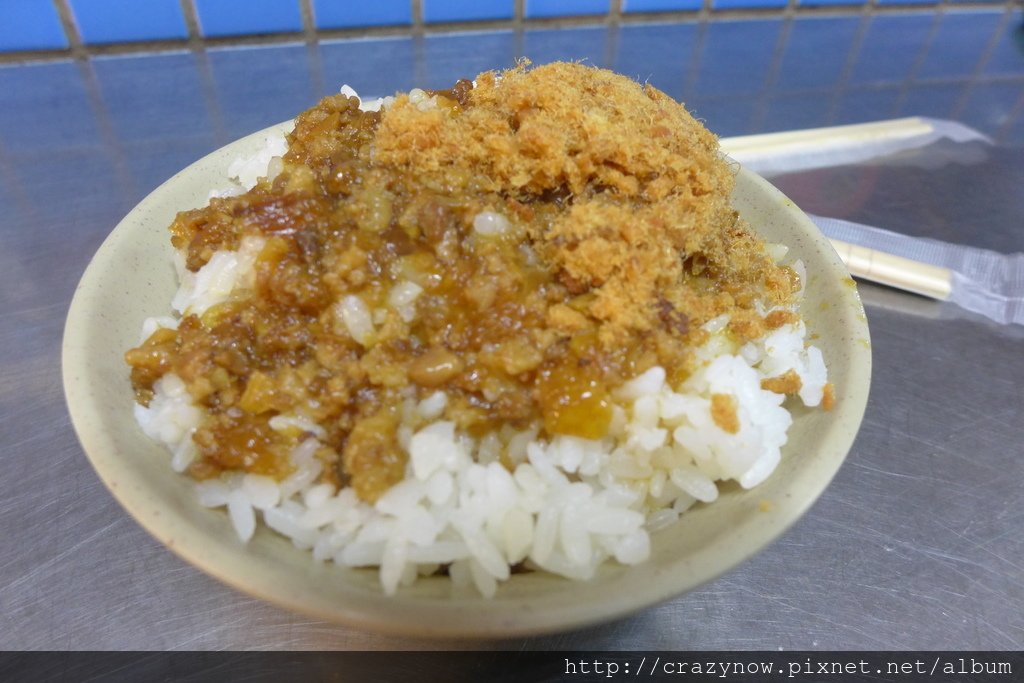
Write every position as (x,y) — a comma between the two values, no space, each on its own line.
(131,278)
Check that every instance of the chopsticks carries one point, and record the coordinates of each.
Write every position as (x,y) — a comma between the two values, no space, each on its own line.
(815,147)
(895,271)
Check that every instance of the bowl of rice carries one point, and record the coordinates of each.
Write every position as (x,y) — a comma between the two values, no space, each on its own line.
(510,358)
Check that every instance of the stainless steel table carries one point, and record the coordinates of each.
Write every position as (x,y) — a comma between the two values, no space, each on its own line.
(916,544)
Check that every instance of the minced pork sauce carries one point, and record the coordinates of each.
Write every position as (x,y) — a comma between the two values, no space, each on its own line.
(525,244)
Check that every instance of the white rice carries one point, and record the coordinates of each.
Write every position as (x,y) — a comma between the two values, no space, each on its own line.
(567,505)
(490,223)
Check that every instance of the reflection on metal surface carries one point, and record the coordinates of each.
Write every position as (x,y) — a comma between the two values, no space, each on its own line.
(801,150)
(878,298)
(890,299)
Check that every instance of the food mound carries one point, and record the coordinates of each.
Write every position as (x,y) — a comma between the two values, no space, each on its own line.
(513,325)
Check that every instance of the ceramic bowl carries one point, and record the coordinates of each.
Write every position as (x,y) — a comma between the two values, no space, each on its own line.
(131,278)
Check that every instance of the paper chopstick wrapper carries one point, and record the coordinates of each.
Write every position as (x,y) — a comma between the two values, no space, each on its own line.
(979,280)
(817,147)
(801,150)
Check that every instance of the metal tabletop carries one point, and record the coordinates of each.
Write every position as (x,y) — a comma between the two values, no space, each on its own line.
(917,543)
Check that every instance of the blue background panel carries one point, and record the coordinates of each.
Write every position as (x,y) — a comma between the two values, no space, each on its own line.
(660,5)
(116,21)
(738,4)
(435,11)
(30,25)
(349,13)
(247,17)
(822,3)
(564,8)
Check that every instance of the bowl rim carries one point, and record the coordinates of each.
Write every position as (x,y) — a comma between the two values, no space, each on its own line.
(384,614)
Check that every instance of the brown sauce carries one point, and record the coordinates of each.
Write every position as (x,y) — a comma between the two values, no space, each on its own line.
(621,245)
